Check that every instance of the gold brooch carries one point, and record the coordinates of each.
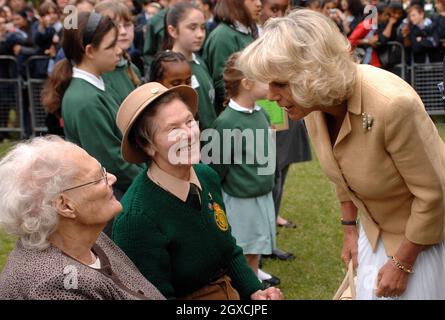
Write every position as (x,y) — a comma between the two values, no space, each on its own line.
(367,122)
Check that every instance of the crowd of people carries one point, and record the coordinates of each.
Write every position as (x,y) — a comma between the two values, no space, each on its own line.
(135,85)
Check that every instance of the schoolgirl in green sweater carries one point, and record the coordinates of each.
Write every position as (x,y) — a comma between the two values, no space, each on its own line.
(88,107)
(186,30)
(247,181)
(236,29)
(173,226)
(171,69)
(126,76)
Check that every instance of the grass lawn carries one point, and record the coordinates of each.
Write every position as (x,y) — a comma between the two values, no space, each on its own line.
(6,242)
(309,201)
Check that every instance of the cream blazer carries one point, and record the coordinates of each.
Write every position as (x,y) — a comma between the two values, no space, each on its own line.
(395,172)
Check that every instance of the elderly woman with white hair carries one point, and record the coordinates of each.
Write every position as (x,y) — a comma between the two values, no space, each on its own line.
(57,199)
(374,141)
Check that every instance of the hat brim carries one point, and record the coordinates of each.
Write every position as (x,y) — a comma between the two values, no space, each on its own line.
(133,153)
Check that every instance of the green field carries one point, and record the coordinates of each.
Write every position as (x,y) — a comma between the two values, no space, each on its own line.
(310,202)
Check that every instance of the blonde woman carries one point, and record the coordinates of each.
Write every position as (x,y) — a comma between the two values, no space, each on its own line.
(374,141)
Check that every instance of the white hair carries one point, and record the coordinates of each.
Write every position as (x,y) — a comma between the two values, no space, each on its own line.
(32,174)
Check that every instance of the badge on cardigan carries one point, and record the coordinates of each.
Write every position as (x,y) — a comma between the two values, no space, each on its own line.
(220,217)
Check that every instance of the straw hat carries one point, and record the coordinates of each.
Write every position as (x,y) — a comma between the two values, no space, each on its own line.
(135,103)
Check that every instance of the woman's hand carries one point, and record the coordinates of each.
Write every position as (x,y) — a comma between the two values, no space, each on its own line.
(391,281)
(271,293)
(350,246)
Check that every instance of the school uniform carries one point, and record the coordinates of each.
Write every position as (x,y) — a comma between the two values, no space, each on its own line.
(178,244)
(203,84)
(89,118)
(220,44)
(119,81)
(154,36)
(247,192)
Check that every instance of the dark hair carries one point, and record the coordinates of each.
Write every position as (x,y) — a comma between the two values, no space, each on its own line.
(209,3)
(26,14)
(74,48)
(381,7)
(323,3)
(232,11)
(232,76)
(416,7)
(174,16)
(46,6)
(115,9)
(355,7)
(156,68)
(396,5)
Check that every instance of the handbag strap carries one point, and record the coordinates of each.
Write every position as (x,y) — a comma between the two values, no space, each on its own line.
(348,281)
(351,278)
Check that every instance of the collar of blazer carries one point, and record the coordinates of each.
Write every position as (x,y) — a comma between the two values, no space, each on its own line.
(355,101)
(317,129)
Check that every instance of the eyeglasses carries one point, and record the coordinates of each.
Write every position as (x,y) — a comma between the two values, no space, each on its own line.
(104,176)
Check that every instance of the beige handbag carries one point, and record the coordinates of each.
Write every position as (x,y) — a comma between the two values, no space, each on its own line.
(220,289)
(346,291)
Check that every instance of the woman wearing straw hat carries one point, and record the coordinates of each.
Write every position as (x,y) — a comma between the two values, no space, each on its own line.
(173,225)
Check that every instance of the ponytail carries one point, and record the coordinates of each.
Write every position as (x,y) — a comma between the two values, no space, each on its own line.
(232,76)
(56,85)
(131,73)
(73,44)
(168,42)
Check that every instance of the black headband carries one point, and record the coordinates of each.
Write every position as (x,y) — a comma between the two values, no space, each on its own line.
(93,22)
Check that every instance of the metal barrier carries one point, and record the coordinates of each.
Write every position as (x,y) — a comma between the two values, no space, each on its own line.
(35,86)
(424,79)
(11,99)
(402,65)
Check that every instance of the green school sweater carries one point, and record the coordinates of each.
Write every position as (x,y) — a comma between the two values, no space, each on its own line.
(241,180)
(203,84)
(176,247)
(89,119)
(154,36)
(221,43)
(120,81)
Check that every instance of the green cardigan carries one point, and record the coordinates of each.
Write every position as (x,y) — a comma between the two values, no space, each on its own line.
(89,120)
(176,247)
(206,93)
(120,81)
(242,180)
(221,43)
